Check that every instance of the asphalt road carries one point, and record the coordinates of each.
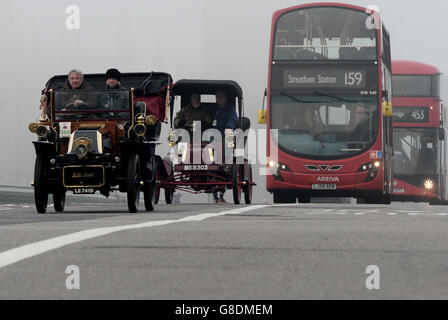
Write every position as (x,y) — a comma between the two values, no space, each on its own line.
(314,251)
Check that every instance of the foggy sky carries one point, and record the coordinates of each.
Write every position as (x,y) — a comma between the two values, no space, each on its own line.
(207,39)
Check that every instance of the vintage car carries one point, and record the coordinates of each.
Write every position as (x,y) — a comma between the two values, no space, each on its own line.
(106,143)
(202,163)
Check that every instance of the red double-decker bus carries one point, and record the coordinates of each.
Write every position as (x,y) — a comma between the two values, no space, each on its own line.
(329,99)
(419,145)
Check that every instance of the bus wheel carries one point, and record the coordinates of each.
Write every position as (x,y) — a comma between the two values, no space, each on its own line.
(387,199)
(284,197)
(304,198)
(133,183)
(436,202)
(40,185)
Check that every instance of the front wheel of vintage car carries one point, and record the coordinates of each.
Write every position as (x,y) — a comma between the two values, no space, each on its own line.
(133,183)
(248,188)
(59,200)
(40,185)
(150,196)
(169,195)
(236,186)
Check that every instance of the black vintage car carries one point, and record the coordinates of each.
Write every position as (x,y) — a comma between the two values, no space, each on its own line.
(101,139)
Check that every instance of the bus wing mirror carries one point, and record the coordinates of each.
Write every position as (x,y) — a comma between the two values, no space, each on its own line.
(262,116)
(441,133)
(387,109)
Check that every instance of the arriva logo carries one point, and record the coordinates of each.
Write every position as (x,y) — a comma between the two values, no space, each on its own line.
(327,179)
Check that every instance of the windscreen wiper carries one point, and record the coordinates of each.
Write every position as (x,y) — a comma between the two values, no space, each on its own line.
(323,94)
(294,98)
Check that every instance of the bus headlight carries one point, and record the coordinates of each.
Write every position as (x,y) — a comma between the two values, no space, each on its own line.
(272,164)
(429,184)
(370,166)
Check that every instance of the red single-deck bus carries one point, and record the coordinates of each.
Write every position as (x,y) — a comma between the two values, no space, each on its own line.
(419,145)
(329,99)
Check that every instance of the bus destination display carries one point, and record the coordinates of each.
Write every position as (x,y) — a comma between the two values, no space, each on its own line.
(411,114)
(324,78)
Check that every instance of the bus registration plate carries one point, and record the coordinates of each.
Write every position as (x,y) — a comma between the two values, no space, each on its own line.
(324,187)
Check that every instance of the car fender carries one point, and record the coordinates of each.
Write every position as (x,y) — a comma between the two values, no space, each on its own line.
(44,147)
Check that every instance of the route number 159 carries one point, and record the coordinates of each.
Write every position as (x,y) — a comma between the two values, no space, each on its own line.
(353,78)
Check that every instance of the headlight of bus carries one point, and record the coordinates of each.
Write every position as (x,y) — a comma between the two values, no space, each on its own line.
(429,184)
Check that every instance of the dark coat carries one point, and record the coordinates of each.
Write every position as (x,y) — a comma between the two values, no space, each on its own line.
(189,114)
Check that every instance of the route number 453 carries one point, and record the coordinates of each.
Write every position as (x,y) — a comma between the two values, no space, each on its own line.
(353,78)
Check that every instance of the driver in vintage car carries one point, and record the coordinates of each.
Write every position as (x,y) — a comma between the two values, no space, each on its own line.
(75,82)
(195,111)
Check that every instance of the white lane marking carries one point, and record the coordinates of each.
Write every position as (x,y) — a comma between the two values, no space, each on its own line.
(442,214)
(33,249)
(359,213)
(392,213)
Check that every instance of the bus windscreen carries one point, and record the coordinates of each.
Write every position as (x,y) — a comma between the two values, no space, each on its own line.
(324,33)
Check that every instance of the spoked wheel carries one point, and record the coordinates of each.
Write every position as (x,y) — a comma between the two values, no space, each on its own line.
(59,200)
(40,185)
(133,183)
(149,193)
(157,180)
(236,186)
(169,195)
(248,188)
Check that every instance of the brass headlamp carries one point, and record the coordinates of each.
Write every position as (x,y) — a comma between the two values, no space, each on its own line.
(172,138)
(82,147)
